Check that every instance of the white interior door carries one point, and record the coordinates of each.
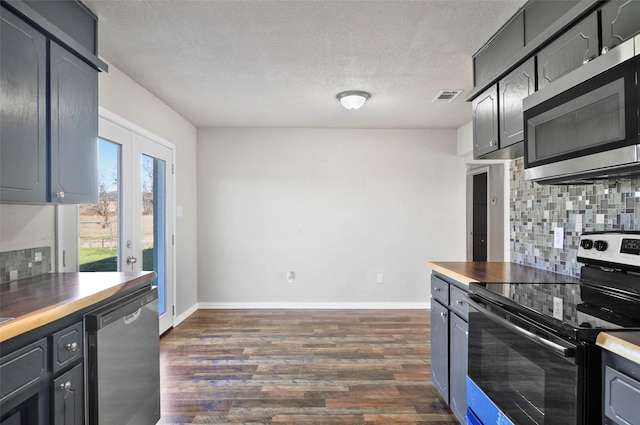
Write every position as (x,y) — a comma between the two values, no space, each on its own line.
(131,228)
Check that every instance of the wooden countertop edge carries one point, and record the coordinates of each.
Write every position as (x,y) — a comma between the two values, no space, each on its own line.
(619,346)
(31,321)
(450,273)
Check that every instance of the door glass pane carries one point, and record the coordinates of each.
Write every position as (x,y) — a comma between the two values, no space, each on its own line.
(99,224)
(154,223)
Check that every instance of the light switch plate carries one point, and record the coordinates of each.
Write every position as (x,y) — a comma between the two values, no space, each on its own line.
(558,237)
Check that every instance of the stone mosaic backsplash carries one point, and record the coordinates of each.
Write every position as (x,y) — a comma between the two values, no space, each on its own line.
(24,263)
(536,210)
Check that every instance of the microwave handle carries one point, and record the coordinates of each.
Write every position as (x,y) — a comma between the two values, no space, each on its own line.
(556,348)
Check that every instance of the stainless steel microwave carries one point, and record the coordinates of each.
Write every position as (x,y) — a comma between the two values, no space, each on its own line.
(584,126)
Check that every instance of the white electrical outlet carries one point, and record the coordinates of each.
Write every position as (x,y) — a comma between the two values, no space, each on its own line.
(557,308)
(290,277)
(37,256)
(379,278)
(558,237)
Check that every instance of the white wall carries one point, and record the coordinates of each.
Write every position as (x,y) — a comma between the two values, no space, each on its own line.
(27,226)
(334,206)
(122,96)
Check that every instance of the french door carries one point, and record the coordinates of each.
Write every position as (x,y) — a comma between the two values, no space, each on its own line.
(131,228)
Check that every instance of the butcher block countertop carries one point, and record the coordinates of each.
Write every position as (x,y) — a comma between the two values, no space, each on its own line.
(38,301)
(497,272)
(624,344)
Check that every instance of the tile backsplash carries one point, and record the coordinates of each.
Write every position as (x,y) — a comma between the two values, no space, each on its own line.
(536,210)
(24,263)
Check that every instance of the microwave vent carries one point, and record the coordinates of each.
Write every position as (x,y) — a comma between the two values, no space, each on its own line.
(446,96)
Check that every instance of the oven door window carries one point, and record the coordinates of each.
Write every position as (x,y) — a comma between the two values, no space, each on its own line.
(530,383)
(594,116)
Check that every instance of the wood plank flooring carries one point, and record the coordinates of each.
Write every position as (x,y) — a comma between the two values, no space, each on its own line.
(300,367)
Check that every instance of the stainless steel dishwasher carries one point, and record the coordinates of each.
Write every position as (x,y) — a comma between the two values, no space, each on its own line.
(123,361)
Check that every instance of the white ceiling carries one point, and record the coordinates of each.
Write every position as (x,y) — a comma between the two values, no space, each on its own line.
(281,63)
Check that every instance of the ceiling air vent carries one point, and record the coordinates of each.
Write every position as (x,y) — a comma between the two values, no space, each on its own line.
(446,96)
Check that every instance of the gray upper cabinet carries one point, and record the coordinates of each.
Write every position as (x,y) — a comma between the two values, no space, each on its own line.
(495,56)
(23,149)
(620,21)
(540,14)
(519,84)
(485,122)
(49,115)
(569,51)
(74,129)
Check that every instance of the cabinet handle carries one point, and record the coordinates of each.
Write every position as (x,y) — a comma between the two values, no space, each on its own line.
(60,195)
(460,302)
(605,50)
(586,60)
(66,386)
(443,314)
(493,143)
(73,346)
(437,289)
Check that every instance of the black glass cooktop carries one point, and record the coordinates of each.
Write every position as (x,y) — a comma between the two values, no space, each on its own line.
(599,302)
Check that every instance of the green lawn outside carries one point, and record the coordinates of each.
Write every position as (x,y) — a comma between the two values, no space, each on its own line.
(105,260)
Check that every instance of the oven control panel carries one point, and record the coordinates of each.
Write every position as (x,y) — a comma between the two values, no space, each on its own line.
(617,248)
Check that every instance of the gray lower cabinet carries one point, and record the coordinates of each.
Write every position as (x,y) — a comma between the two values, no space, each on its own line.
(440,348)
(621,390)
(449,342)
(485,122)
(620,21)
(519,84)
(42,381)
(459,344)
(569,51)
(23,148)
(68,398)
(49,115)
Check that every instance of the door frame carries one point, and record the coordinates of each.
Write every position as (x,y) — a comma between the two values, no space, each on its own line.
(67,233)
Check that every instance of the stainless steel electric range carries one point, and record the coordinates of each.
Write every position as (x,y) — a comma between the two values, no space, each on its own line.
(532,352)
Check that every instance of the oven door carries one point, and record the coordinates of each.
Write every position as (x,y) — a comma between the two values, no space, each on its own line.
(585,121)
(532,380)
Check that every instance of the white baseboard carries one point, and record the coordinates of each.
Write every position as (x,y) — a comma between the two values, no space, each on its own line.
(182,317)
(314,306)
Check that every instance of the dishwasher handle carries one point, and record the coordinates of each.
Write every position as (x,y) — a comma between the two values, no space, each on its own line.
(130,318)
(127,308)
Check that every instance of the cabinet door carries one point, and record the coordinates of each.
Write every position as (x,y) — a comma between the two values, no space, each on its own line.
(74,129)
(440,349)
(519,84)
(569,51)
(620,21)
(458,366)
(68,398)
(23,149)
(485,122)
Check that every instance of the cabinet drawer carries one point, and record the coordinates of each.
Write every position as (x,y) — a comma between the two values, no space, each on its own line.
(458,303)
(440,290)
(22,368)
(621,397)
(67,346)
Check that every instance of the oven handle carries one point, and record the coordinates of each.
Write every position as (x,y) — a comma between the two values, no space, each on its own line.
(557,348)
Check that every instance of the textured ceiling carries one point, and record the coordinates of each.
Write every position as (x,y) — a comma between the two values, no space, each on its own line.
(281,63)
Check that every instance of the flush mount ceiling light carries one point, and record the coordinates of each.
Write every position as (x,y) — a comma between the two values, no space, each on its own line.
(353,99)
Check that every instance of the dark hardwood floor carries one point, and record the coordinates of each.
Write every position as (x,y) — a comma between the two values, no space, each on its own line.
(300,367)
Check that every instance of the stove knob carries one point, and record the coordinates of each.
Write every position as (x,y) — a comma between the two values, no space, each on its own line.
(586,243)
(600,245)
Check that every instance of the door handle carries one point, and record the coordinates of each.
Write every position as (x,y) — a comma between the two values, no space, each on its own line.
(131,260)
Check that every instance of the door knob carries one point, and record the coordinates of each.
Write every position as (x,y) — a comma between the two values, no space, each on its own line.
(131,260)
